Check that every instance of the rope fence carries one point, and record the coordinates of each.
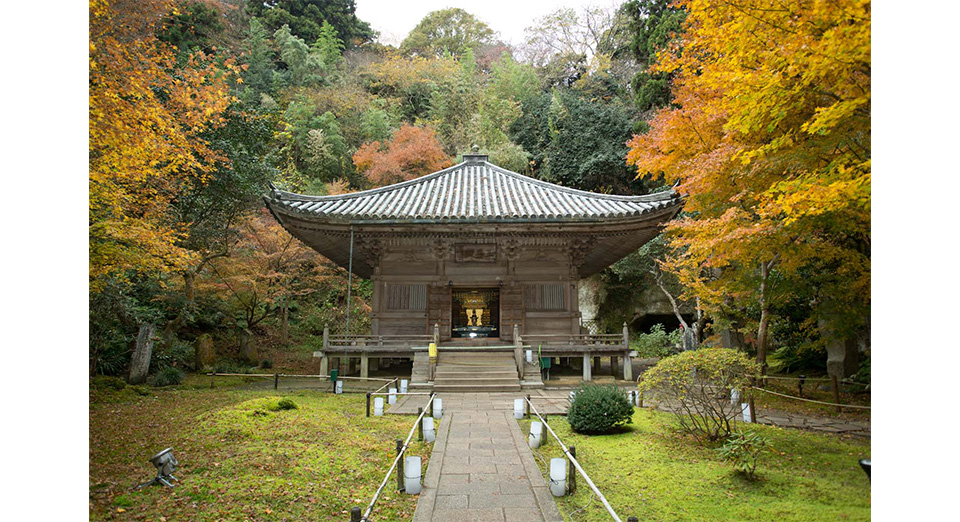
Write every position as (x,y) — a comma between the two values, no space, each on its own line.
(810,400)
(573,460)
(355,515)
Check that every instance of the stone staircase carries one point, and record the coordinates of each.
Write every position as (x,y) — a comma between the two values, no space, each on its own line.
(469,371)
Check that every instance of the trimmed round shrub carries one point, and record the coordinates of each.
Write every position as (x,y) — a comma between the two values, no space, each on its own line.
(286,404)
(599,409)
(696,386)
(168,376)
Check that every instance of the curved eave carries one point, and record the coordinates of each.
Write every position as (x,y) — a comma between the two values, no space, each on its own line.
(619,237)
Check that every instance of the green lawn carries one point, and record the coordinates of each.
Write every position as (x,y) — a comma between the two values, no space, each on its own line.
(240,458)
(651,472)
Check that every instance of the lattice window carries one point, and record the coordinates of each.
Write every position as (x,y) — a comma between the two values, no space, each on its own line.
(407,297)
(544,297)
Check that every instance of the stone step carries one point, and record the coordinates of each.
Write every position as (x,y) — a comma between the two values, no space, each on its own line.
(462,374)
(477,380)
(448,388)
(466,368)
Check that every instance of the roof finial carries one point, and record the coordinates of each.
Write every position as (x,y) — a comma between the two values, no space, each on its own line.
(475,148)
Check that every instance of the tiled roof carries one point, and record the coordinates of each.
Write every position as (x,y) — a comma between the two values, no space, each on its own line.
(472,191)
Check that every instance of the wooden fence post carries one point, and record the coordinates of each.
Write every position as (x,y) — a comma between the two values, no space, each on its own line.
(419,425)
(572,471)
(400,465)
(836,392)
(368,404)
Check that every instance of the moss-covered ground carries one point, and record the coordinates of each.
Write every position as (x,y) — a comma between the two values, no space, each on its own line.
(242,458)
(651,471)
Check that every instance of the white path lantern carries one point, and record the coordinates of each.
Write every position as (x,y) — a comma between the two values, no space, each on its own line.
(429,434)
(403,385)
(558,477)
(392,397)
(411,475)
(338,387)
(745,408)
(536,434)
(437,408)
(378,406)
(518,408)
(734,397)
(530,356)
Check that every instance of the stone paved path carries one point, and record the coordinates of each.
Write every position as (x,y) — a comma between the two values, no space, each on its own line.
(481,468)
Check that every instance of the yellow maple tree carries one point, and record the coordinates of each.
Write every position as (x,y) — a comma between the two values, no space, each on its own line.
(147,115)
(769,138)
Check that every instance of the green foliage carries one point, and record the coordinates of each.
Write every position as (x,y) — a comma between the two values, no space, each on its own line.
(261,77)
(743,450)
(657,343)
(863,372)
(286,404)
(178,354)
(307,17)
(450,31)
(304,66)
(699,383)
(106,382)
(266,364)
(193,28)
(577,141)
(168,376)
(653,25)
(597,409)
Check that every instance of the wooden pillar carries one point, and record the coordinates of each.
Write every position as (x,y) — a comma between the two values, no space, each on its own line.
(352,365)
(596,365)
(613,366)
(587,376)
(326,337)
(627,366)
(324,365)
(364,365)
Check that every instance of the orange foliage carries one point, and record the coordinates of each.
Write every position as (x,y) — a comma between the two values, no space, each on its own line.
(265,266)
(146,120)
(413,152)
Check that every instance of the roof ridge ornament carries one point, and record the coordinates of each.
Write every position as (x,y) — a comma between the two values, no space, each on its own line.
(475,156)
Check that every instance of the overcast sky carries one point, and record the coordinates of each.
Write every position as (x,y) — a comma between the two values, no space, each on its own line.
(395,18)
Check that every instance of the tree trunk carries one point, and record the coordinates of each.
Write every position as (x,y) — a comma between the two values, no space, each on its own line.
(140,363)
(765,269)
(188,278)
(284,324)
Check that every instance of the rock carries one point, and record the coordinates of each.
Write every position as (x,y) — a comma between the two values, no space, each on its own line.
(205,355)
(248,351)
(140,363)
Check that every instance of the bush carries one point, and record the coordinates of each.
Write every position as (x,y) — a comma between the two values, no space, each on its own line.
(103,382)
(286,404)
(168,376)
(696,384)
(178,354)
(744,450)
(266,364)
(599,409)
(657,343)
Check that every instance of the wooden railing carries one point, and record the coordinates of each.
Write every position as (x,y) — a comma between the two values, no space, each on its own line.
(335,343)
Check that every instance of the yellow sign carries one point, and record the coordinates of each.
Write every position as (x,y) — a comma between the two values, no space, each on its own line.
(432,350)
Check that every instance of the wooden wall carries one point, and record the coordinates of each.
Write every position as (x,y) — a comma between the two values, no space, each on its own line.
(412,287)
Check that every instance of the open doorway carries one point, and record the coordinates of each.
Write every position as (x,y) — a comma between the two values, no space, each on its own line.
(476,313)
